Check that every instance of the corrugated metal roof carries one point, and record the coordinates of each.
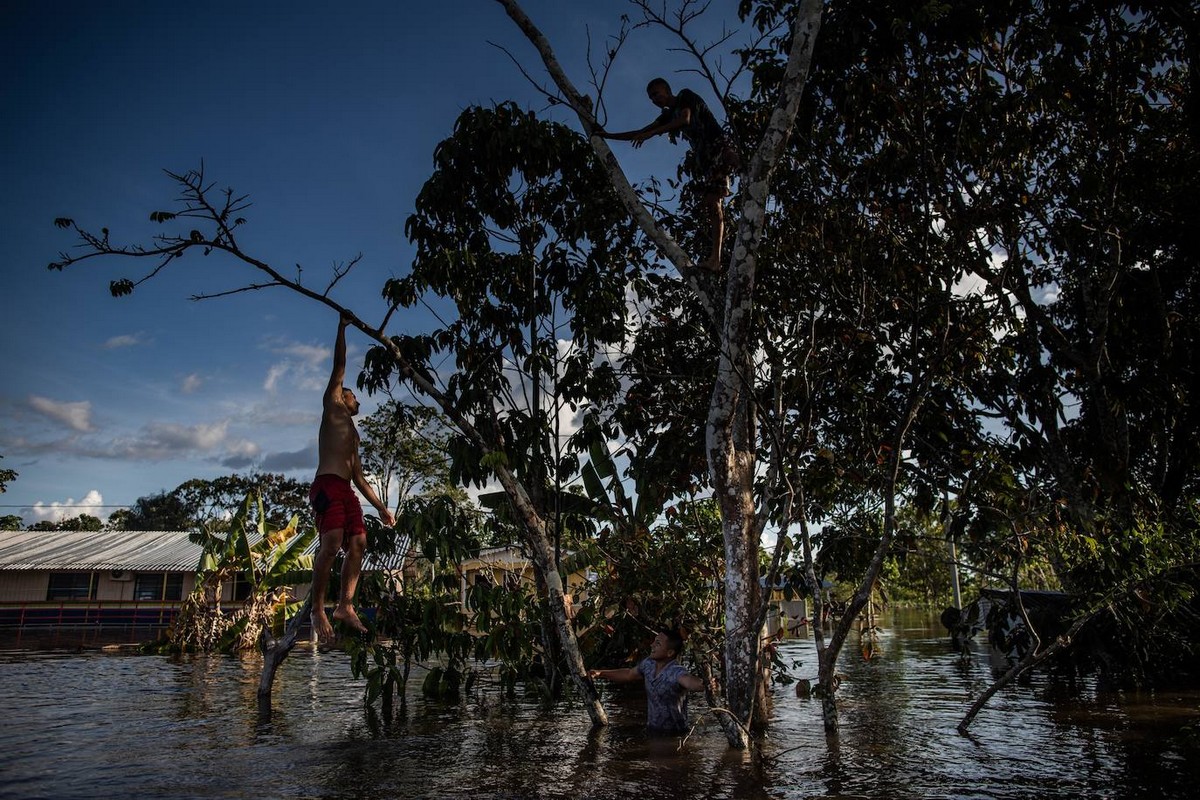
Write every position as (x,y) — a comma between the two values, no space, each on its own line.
(150,551)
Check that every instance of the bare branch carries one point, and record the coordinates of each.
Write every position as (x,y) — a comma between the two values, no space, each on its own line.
(610,57)
(583,110)
(686,14)
(340,271)
(253,287)
(553,98)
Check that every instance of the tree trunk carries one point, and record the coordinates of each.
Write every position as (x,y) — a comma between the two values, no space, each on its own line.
(544,562)
(276,650)
(730,434)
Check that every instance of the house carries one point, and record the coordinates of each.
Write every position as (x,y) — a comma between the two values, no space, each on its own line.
(116,580)
(508,566)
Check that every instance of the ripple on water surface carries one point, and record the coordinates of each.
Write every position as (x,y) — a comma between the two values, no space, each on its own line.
(98,724)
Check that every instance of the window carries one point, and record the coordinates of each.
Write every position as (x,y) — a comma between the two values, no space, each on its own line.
(242,589)
(158,586)
(173,586)
(71,586)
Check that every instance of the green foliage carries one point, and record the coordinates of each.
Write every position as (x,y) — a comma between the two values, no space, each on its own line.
(83,522)
(519,228)
(157,512)
(426,624)
(211,504)
(6,477)
(270,559)
(1148,579)
(1042,154)
(654,578)
(406,445)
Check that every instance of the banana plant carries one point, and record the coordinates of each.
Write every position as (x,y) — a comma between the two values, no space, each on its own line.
(268,558)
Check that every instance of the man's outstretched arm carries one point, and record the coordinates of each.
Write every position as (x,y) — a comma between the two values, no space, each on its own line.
(627,675)
(655,128)
(337,377)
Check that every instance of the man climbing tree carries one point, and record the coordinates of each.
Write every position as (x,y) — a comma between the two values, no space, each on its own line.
(338,512)
(710,161)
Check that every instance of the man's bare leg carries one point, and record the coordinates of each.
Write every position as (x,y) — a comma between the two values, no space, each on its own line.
(351,569)
(331,542)
(715,209)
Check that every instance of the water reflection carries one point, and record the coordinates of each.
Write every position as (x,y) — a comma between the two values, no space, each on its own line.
(93,723)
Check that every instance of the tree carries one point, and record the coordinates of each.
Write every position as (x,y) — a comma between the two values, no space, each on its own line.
(405,446)
(10,522)
(212,503)
(512,229)
(1048,141)
(83,522)
(730,429)
(6,477)
(156,512)
(270,565)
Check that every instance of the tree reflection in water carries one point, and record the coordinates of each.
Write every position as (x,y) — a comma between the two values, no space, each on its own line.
(97,723)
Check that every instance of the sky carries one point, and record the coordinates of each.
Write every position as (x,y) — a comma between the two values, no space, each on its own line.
(327,116)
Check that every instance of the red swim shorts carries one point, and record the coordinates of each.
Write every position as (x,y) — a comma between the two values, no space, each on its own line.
(336,506)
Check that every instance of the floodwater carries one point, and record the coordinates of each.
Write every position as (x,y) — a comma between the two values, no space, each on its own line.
(101,724)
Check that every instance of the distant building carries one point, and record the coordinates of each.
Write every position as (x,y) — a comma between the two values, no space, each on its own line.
(507,566)
(115,580)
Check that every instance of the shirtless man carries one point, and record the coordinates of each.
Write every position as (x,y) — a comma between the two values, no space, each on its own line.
(338,512)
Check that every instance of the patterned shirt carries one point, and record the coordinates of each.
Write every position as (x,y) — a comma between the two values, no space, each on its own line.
(666,700)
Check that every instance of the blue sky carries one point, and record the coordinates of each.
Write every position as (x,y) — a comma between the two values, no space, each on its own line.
(327,115)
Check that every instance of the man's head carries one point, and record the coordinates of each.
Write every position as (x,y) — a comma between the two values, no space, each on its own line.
(350,401)
(667,644)
(659,92)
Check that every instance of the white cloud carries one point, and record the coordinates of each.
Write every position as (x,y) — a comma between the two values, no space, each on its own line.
(125,340)
(56,511)
(161,440)
(190,384)
(243,448)
(310,354)
(240,454)
(304,365)
(78,415)
(969,284)
(276,372)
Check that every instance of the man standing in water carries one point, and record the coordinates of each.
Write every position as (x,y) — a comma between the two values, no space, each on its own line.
(338,513)
(667,683)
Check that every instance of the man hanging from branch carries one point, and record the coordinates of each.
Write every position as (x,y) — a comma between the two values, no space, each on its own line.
(338,513)
(710,161)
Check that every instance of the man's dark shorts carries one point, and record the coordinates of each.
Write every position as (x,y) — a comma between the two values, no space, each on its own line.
(710,169)
(336,506)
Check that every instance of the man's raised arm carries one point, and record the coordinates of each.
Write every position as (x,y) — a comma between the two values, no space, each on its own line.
(333,392)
